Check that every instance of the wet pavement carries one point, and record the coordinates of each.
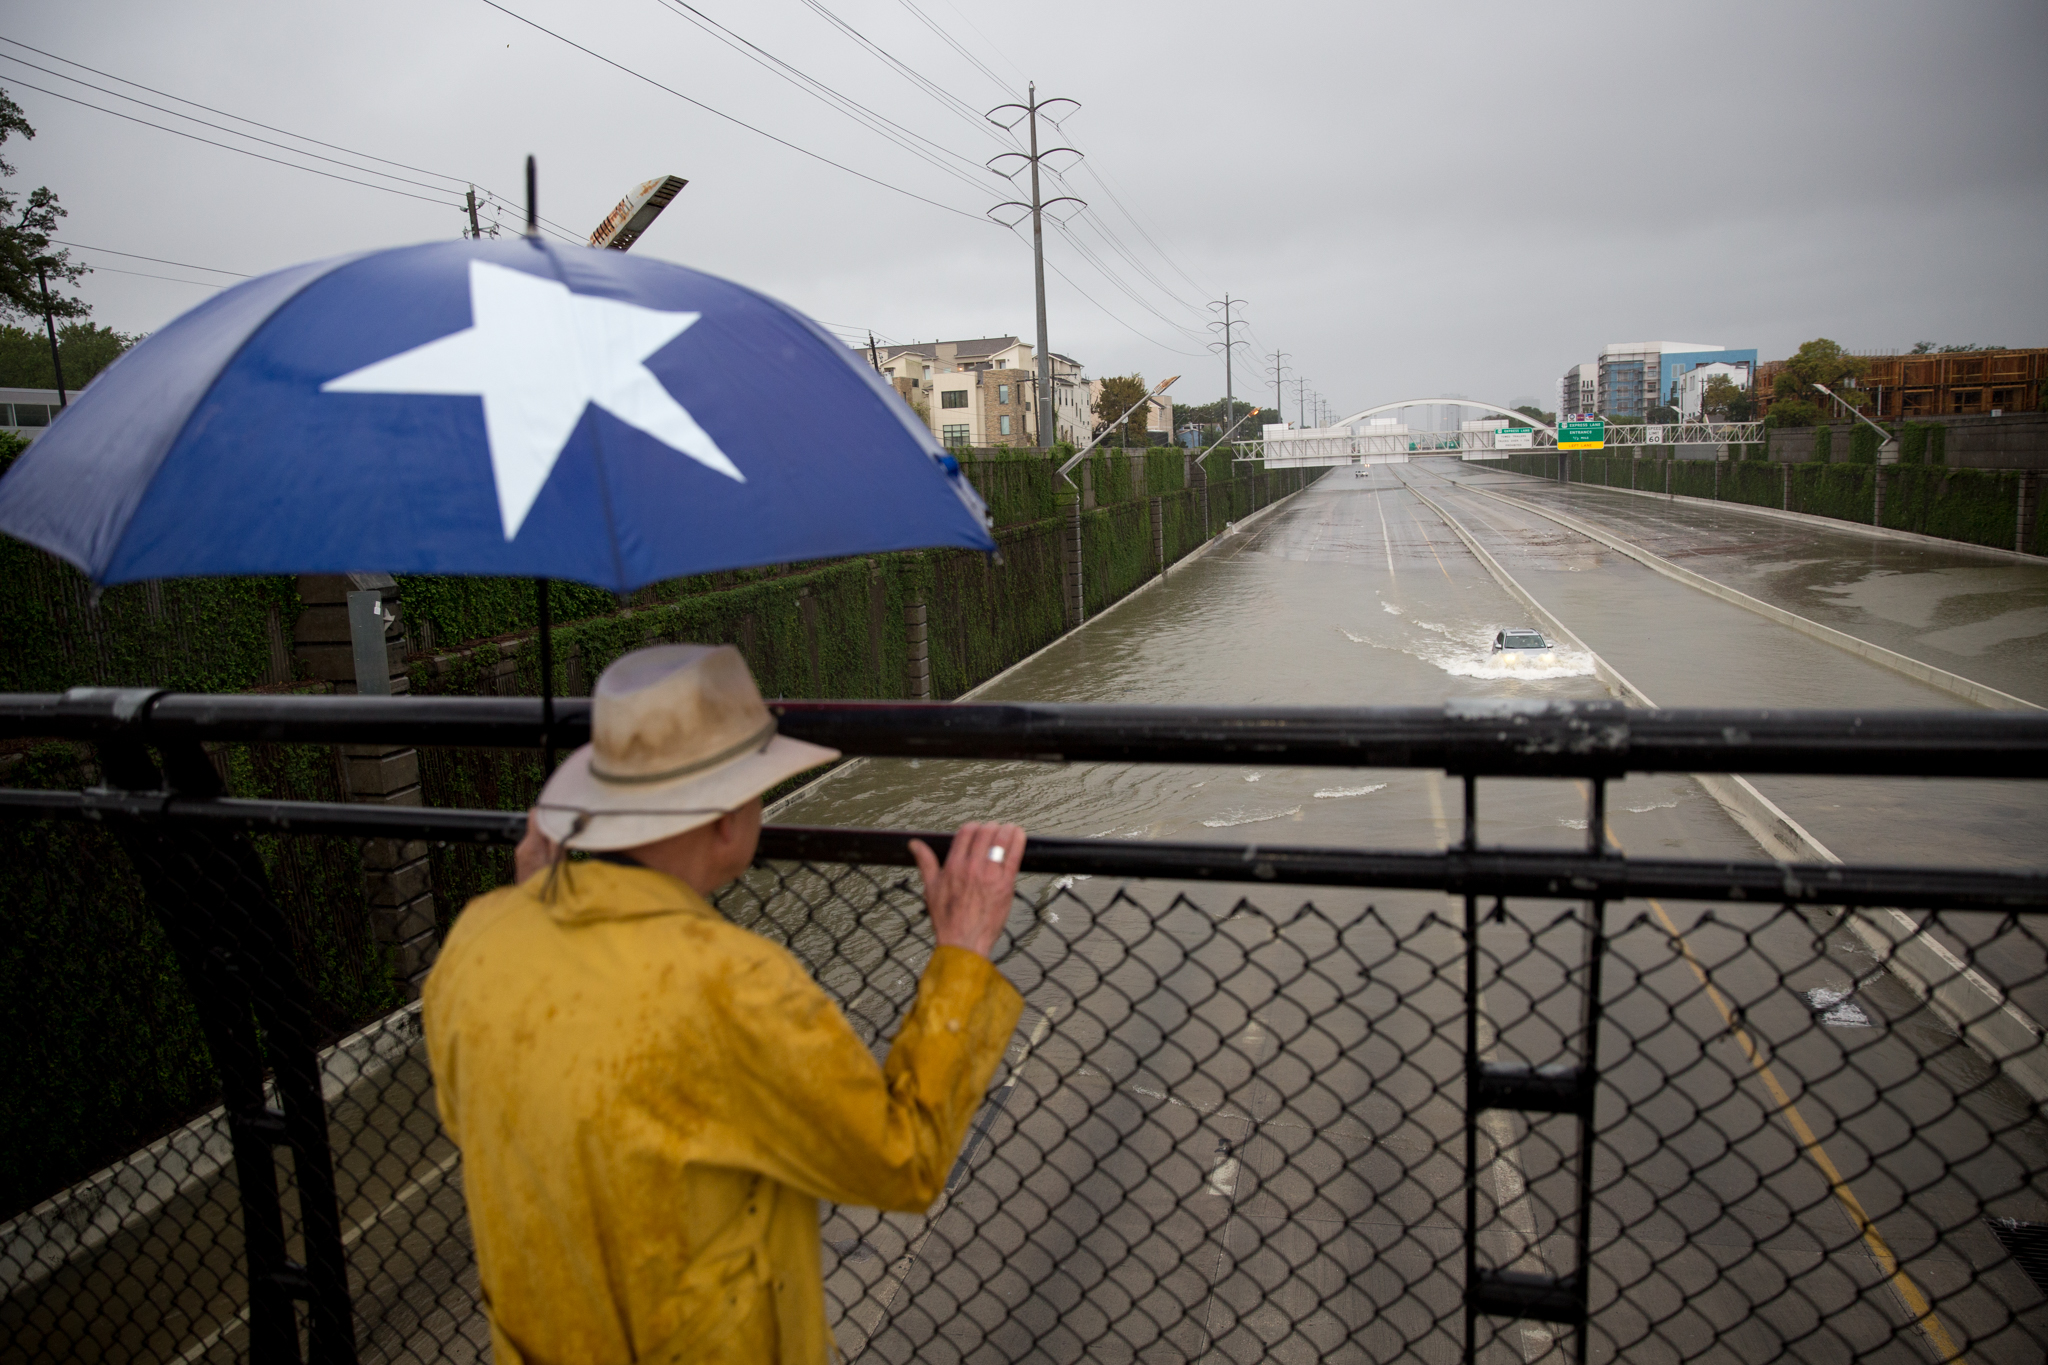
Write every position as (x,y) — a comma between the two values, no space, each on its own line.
(1982,615)
(1331,1132)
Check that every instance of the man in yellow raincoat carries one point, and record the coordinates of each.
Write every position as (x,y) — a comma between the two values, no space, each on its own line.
(649,1100)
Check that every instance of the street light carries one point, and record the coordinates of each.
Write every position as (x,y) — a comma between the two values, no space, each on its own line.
(1890,443)
(1082,453)
(636,212)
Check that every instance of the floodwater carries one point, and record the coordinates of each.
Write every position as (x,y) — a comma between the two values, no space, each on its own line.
(1193,1066)
(1352,594)
(1355,593)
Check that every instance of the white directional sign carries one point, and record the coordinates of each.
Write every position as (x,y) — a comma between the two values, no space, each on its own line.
(1514,438)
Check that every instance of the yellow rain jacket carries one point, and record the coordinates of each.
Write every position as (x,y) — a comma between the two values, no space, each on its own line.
(650,1102)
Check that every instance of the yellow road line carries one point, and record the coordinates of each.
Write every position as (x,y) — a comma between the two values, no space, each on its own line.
(1915,1302)
(1902,1284)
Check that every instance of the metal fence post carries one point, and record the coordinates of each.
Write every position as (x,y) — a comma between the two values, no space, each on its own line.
(917,671)
(1076,601)
(209,891)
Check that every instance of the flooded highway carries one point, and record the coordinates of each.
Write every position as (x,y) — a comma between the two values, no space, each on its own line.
(1234,1119)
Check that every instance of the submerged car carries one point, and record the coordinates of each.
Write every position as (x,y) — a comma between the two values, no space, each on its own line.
(1519,642)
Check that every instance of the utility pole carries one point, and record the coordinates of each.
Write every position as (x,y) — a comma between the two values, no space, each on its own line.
(50,324)
(1048,424)
(872,359)
(1226,345)
(1278,369)
(475,229)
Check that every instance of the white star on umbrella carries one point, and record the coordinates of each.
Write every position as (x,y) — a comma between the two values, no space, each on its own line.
(537,355)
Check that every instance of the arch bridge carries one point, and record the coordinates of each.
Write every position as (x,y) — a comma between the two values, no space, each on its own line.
(1366,438)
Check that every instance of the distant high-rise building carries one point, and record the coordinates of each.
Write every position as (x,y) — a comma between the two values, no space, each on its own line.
(1635,376)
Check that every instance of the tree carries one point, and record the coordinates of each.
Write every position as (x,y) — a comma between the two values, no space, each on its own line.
(1536,414)
(25,228)
(1819,361)
(1725,399)
(86,350)
(1930,348)
(1661,414)
(1118,393)
(1793,412)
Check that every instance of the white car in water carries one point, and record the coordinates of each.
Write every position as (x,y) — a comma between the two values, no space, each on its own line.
(1520,643)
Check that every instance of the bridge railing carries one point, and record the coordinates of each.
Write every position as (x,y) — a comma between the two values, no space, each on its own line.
(1269,1101)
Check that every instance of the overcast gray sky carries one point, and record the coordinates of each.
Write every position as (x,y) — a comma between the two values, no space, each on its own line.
(1416,199)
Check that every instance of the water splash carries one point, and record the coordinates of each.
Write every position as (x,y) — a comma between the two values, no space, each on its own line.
(1654,805)
(1330,793)
(1244,817)
(1467,652)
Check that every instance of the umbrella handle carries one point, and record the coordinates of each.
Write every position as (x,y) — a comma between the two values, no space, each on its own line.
(547,679)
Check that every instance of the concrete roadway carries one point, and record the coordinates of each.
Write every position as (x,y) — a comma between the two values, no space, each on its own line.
(1235,1129)
(1240,1129)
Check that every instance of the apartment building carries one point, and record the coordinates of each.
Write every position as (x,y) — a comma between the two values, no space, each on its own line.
(1579,390)
(982,391)
(1631,377)
(1692,385)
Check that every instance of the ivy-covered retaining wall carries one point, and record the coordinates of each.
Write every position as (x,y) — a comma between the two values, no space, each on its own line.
(1975,506)
(105,1051)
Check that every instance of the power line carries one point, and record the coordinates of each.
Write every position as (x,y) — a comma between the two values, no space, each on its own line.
(874,121)
(231,132)
(1052,266)
(1097,224)
(945,98)
(968,19)
(1116,244)
(1088,254)
(955,44)
(310,170)
(144,274)
(182,265)
(238,118)
(1132,218)
(729,118)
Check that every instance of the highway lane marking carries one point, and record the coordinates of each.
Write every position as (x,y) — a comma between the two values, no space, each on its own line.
(1916,669)
(1423,531)
(900,1270)
(1386,539)
(1220,1182)
(1916,1304)
(1996,1028)
(434,1174)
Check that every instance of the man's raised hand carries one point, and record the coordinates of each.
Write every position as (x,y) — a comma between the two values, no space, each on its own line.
(969,898)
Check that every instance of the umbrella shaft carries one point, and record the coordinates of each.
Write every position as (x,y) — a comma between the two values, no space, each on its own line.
(547,677)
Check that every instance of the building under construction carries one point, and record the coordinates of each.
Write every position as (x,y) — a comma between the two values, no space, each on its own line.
(1945,383)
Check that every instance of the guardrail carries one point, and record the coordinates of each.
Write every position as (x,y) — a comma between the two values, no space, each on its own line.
(1334,1126)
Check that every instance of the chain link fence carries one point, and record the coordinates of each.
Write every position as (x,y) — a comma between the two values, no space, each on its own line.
(1264,1104)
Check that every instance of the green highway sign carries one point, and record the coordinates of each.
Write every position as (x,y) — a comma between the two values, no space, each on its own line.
(1581,435)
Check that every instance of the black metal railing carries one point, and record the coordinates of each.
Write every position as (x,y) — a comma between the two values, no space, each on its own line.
(1609,1105)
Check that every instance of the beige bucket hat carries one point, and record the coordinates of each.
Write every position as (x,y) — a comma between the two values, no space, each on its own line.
(678,737)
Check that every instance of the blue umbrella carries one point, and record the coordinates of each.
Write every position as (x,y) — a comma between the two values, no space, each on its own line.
(486,407)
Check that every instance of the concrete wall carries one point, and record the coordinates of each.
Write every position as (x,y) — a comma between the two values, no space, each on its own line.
(2018,441)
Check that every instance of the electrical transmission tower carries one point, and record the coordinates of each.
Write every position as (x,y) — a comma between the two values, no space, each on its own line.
(1227,345)
(1278,369)
(1048,422)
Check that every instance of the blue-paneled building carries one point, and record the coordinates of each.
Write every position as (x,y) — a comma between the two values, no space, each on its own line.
(1635,376)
